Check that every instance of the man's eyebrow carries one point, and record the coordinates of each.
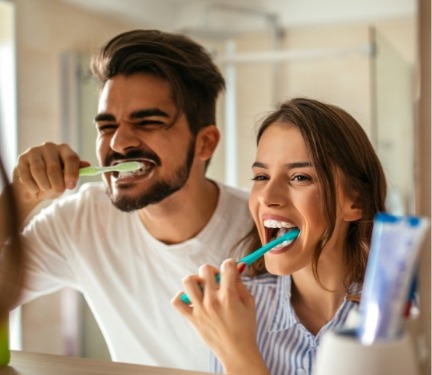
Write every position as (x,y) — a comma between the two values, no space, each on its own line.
(301,164)
(103,117)
(136,115)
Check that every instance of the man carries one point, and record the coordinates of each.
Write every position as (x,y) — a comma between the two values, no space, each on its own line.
(156,106)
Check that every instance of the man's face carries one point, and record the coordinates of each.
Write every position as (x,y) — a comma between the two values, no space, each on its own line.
(135,121)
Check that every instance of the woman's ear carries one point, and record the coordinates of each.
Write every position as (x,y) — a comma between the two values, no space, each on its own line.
(352,209)
(349,201)
(206,142)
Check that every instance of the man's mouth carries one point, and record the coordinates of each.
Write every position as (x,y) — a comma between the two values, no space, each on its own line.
(275,229)
(147,167)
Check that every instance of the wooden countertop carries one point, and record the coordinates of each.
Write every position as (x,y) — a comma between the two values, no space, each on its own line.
(25,363)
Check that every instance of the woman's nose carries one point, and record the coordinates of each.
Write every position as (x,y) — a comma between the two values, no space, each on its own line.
(274,194)
(124,138)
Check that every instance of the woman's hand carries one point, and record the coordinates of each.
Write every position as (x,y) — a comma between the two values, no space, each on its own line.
(224,316)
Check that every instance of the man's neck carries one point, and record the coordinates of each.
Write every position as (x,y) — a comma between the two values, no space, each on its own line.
(182,215)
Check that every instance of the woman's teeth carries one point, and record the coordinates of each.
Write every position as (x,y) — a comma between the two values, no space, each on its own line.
(283,244)
(277,224)
(276,229)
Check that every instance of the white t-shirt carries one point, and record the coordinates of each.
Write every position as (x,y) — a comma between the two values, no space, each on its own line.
(126,276)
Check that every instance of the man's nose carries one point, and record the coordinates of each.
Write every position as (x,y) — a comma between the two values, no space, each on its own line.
(124,138)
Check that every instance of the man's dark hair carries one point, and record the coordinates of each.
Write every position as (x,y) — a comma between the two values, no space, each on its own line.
(194,78)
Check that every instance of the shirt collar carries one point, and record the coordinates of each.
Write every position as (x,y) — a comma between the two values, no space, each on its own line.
(284,315)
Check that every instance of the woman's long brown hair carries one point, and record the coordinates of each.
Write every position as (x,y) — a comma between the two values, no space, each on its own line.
(336,141)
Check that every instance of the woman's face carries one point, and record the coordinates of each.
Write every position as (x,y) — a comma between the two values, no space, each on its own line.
(285,194)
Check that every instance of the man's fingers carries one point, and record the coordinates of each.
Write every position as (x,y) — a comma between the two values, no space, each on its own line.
(71,164)
(48,169)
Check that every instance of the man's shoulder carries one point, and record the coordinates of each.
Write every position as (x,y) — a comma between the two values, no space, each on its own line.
(96,187)
(88,194)
(234,192)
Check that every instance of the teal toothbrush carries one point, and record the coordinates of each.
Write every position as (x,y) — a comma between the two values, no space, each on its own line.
(128,166)
(253,257)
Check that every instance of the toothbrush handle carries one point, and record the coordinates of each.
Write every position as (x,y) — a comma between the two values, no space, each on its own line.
(249,259)
(89,171)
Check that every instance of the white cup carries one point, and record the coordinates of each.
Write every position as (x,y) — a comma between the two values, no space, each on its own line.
(341,353)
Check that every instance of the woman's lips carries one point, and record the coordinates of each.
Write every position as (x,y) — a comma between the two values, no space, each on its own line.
(275,227)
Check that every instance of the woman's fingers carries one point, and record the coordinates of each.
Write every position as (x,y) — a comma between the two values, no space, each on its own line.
(212,287)
(182,307)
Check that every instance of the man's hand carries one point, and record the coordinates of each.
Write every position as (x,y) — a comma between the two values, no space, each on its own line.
(44,172)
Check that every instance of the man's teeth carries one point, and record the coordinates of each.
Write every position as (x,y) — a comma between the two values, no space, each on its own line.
(138,172)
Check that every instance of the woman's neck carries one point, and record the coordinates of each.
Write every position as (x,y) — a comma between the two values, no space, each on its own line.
(315,305)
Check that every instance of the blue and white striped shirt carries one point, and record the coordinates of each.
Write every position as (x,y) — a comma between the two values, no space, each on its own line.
(288,348)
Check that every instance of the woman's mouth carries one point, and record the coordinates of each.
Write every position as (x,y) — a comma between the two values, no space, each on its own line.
(275,229)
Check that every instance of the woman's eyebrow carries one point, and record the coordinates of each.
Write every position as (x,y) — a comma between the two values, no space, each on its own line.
(301,164)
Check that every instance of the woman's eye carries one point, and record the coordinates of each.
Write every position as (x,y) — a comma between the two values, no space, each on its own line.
(259,178)
(301,178)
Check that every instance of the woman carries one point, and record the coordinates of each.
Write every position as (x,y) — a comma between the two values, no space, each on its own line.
(316,170)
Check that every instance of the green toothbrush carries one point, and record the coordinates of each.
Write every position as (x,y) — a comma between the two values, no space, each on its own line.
(128,166)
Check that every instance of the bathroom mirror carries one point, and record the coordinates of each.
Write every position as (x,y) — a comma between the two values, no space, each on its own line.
(359,54)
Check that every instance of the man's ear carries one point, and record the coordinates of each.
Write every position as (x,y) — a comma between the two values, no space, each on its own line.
(206,142)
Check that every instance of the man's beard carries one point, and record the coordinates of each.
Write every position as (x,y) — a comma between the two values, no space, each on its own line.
(160,190)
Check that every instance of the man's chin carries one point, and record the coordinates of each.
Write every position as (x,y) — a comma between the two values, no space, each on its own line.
(129,203)
(128,200)
(125,202)
(126,206)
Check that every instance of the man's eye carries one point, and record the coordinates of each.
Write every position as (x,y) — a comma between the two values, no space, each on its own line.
(106,128)
(151,124)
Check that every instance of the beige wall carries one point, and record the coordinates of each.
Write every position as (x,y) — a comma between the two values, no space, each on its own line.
(6,25)
(346,79)
(44,30)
